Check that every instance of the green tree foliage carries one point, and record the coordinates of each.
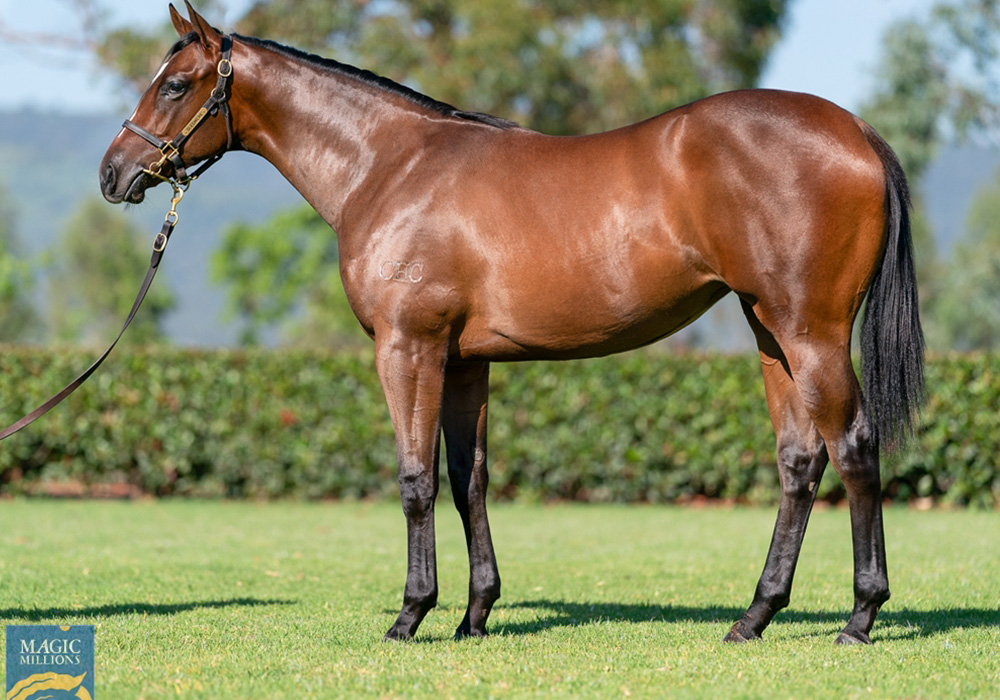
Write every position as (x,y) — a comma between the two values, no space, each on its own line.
(97,267)
(560,67)
(937,82)
(18,320)
(284,272)
(968,309)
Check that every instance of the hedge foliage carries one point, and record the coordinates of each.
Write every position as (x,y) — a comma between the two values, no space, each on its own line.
(637,427)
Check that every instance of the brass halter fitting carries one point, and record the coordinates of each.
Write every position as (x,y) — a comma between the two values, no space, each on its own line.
(179,189)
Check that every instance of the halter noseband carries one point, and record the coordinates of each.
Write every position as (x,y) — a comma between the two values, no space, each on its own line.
(171,150)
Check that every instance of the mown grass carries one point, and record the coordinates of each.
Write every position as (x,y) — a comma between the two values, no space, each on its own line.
(290,600)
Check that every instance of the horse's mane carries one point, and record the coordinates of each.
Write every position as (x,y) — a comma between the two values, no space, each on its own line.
(185,40)
(374,80)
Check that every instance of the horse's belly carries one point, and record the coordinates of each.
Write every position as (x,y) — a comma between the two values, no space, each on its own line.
(573,321)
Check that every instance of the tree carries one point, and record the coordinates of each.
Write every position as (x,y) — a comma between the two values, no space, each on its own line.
(560,67)
(18,320)
(968,309)
(97,266)
(284,272)
(937,82)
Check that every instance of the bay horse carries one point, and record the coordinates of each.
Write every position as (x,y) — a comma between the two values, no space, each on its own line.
(465,239)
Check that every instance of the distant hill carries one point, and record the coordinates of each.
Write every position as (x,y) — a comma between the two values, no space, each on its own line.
(48,162)
(949,187)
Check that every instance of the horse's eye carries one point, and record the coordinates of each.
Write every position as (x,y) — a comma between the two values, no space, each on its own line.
(174,88)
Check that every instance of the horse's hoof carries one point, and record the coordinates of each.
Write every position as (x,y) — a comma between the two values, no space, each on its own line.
(739,634)
(846,639)
(393,636)
(464,632)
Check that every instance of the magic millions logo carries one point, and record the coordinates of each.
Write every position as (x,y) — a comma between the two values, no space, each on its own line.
(46,662)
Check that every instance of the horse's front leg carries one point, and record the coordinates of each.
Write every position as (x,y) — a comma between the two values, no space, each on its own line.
(412,375)
(464,420)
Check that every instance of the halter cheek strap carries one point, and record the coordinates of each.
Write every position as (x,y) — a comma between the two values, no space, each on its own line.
(172,150)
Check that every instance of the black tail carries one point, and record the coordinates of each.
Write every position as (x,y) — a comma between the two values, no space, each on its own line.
(892,341)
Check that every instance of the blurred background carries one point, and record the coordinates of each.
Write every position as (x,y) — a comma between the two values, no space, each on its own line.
(251,264)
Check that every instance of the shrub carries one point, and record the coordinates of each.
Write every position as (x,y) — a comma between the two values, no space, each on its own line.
(636,427)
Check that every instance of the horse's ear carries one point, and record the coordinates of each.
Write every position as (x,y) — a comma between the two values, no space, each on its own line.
(209,35)
(182,26)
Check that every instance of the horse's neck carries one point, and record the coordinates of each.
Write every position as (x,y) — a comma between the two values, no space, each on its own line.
(320,129)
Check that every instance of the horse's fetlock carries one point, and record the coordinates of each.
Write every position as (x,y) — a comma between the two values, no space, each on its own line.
(423,601)
(487,588)
(871,591)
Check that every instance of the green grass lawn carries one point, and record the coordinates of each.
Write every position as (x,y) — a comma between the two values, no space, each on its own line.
(290,600)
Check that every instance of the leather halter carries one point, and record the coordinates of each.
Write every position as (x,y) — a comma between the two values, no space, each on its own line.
(172,150)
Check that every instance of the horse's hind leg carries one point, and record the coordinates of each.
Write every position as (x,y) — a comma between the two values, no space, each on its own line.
(802,458)
(464,422)
(819,362)
(832,394)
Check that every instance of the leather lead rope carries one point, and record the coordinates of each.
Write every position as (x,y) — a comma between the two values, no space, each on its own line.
(159,245)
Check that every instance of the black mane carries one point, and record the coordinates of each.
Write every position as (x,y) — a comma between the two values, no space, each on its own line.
(184,41)
(369,78)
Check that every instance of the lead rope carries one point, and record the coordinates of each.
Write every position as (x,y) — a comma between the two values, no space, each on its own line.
(159,245)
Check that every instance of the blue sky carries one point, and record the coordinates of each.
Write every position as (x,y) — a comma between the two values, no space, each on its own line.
(830,48)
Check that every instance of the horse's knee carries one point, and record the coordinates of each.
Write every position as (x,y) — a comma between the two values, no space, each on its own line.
(800,467)
(417,490)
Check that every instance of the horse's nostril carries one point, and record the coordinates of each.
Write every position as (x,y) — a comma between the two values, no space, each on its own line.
(108,178)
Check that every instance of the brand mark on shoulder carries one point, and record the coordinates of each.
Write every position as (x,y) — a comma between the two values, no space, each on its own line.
(399,271)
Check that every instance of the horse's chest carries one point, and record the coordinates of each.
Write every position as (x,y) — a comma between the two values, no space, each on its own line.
(399,289)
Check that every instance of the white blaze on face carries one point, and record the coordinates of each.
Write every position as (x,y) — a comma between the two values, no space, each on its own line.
(136,110)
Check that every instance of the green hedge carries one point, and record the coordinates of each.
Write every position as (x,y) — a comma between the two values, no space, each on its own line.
(636,427)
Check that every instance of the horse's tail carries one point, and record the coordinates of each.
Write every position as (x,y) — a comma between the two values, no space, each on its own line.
(892,341)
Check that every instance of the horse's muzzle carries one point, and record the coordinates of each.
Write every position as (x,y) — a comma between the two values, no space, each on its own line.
(123,184)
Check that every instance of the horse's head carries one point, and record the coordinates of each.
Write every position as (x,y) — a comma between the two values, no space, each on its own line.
(183,117)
